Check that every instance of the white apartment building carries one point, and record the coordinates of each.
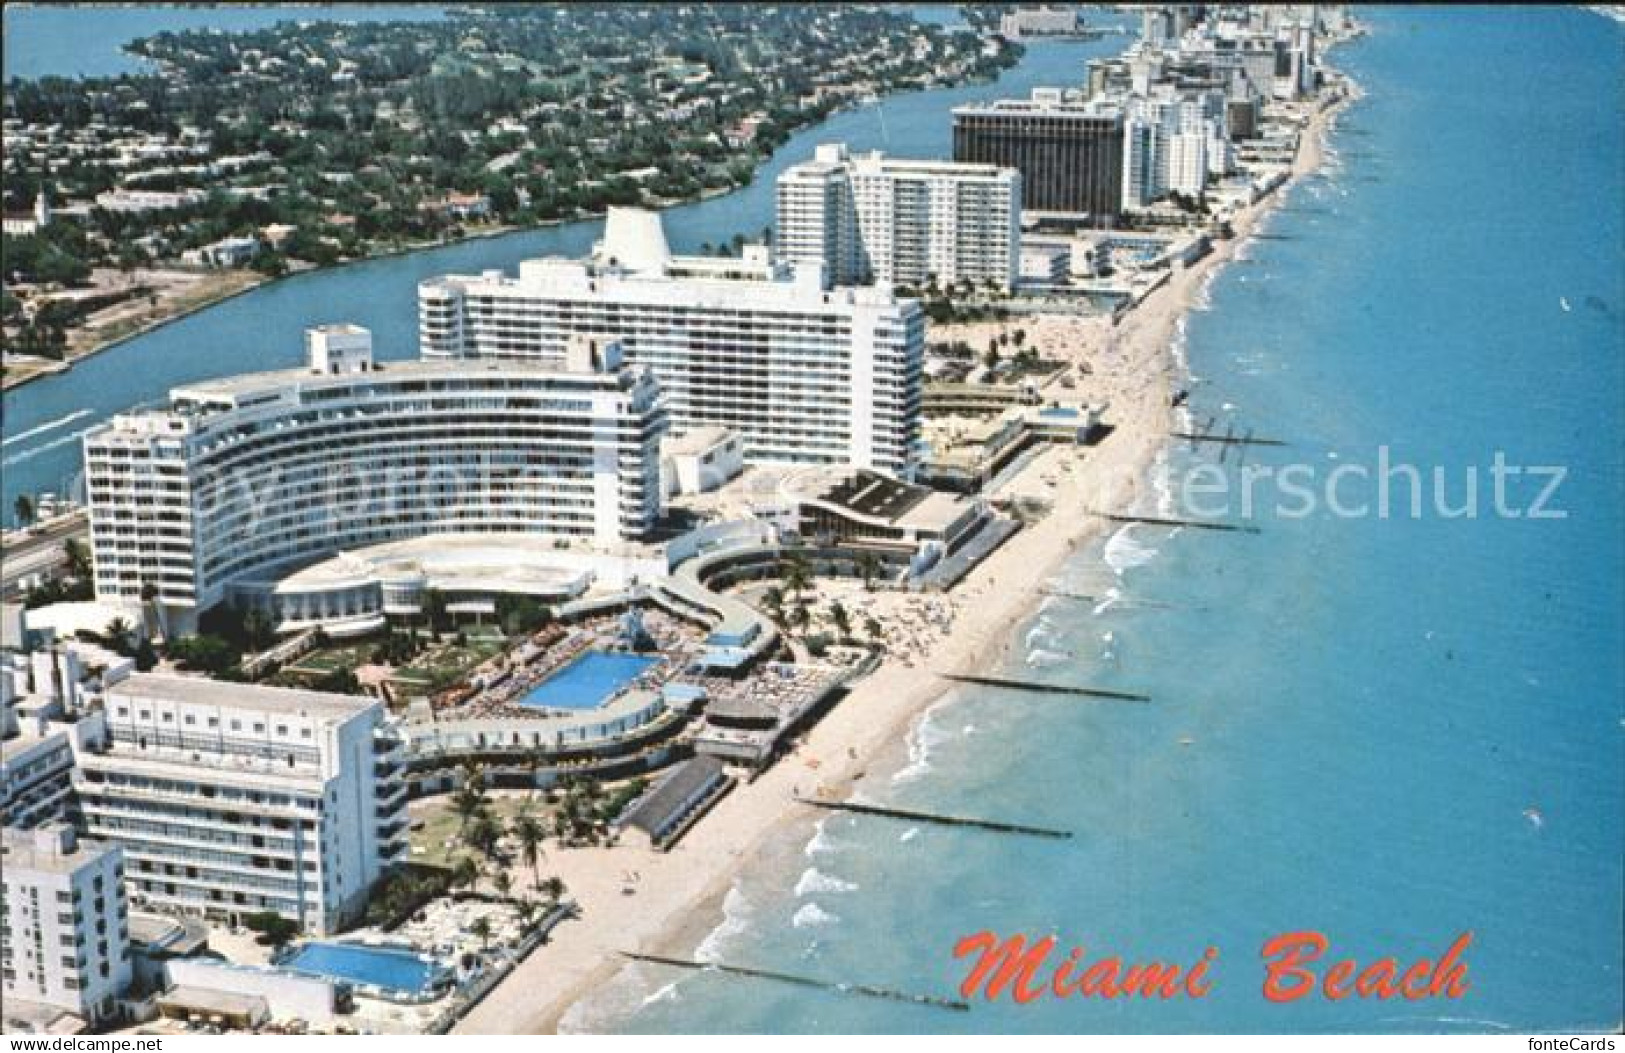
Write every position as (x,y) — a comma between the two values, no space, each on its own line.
(64,925)
(40,720)
(1172,142)
(870,218)
(36,776)
(249,478)
(232,799)
(1187,163)
(803,374)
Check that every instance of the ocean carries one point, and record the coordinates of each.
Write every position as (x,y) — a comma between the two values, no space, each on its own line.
(1389,730)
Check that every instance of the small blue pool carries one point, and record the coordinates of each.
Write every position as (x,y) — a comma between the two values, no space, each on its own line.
(391,969)
(588,682)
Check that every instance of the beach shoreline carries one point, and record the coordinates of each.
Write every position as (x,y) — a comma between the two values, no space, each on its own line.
(677,898)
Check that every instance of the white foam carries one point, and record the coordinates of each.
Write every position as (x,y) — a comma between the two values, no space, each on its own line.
(821,841)
(814,881)
(1162,483)
(811,915)
(1041,633)
(665,994)
(922,738)
(1123,552)
(50,425)
(1038,658)
(736,918)
(910,834)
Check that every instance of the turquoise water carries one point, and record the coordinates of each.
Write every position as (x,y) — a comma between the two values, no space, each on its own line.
(588,681)
(393,970)
(45,419)
(1390,731)
(81,41)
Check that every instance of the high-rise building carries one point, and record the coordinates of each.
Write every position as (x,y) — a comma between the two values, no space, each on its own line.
(1143,170)
(234,799)
(1069,153)
(870,218)
(804,374)
(1187,163)
(64,924)
(251,477)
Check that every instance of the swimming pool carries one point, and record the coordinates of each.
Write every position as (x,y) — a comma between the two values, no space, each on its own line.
(587,682)
(392,969)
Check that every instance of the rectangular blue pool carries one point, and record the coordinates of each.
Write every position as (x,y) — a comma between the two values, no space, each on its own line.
(588,682)
(392,969)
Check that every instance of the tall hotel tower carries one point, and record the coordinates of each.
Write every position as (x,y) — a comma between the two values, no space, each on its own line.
(1069,154)
(804,374)
(870,218)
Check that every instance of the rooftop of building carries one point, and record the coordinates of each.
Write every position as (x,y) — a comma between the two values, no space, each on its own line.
(829,157)
(525,564)
(881,498)
(673,793)
(24,1017)
(196,690)
(247,384)
(1045,102)
(633,264)
(695,441)
(53,849)
(30,739)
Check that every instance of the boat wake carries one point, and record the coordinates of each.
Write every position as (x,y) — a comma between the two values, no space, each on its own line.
(50,425)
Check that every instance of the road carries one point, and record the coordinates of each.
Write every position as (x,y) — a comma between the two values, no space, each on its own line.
(38,550)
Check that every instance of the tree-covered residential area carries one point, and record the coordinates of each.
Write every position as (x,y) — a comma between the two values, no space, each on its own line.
(315,142)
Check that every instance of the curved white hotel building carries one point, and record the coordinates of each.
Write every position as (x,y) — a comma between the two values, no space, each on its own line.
(803,374)
(247,479)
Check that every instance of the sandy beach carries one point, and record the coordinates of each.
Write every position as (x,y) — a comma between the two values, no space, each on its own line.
(676,897)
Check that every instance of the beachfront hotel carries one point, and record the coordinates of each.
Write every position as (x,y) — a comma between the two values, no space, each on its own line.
(804,374)
(1069,152)
(232,799)
(238,483)
(870,218)
(64,946)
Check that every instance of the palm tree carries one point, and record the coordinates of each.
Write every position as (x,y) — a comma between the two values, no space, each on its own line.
(842,621)
(503,883)
(78,558)
(149,604)
(257,628)
(773,600)
(553,888)
(24,508)
(117,633)
(481,928)
(470,796)
(800,617)
(483,833)
(876,631)
(797,575)
(530,835)
(465,872)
